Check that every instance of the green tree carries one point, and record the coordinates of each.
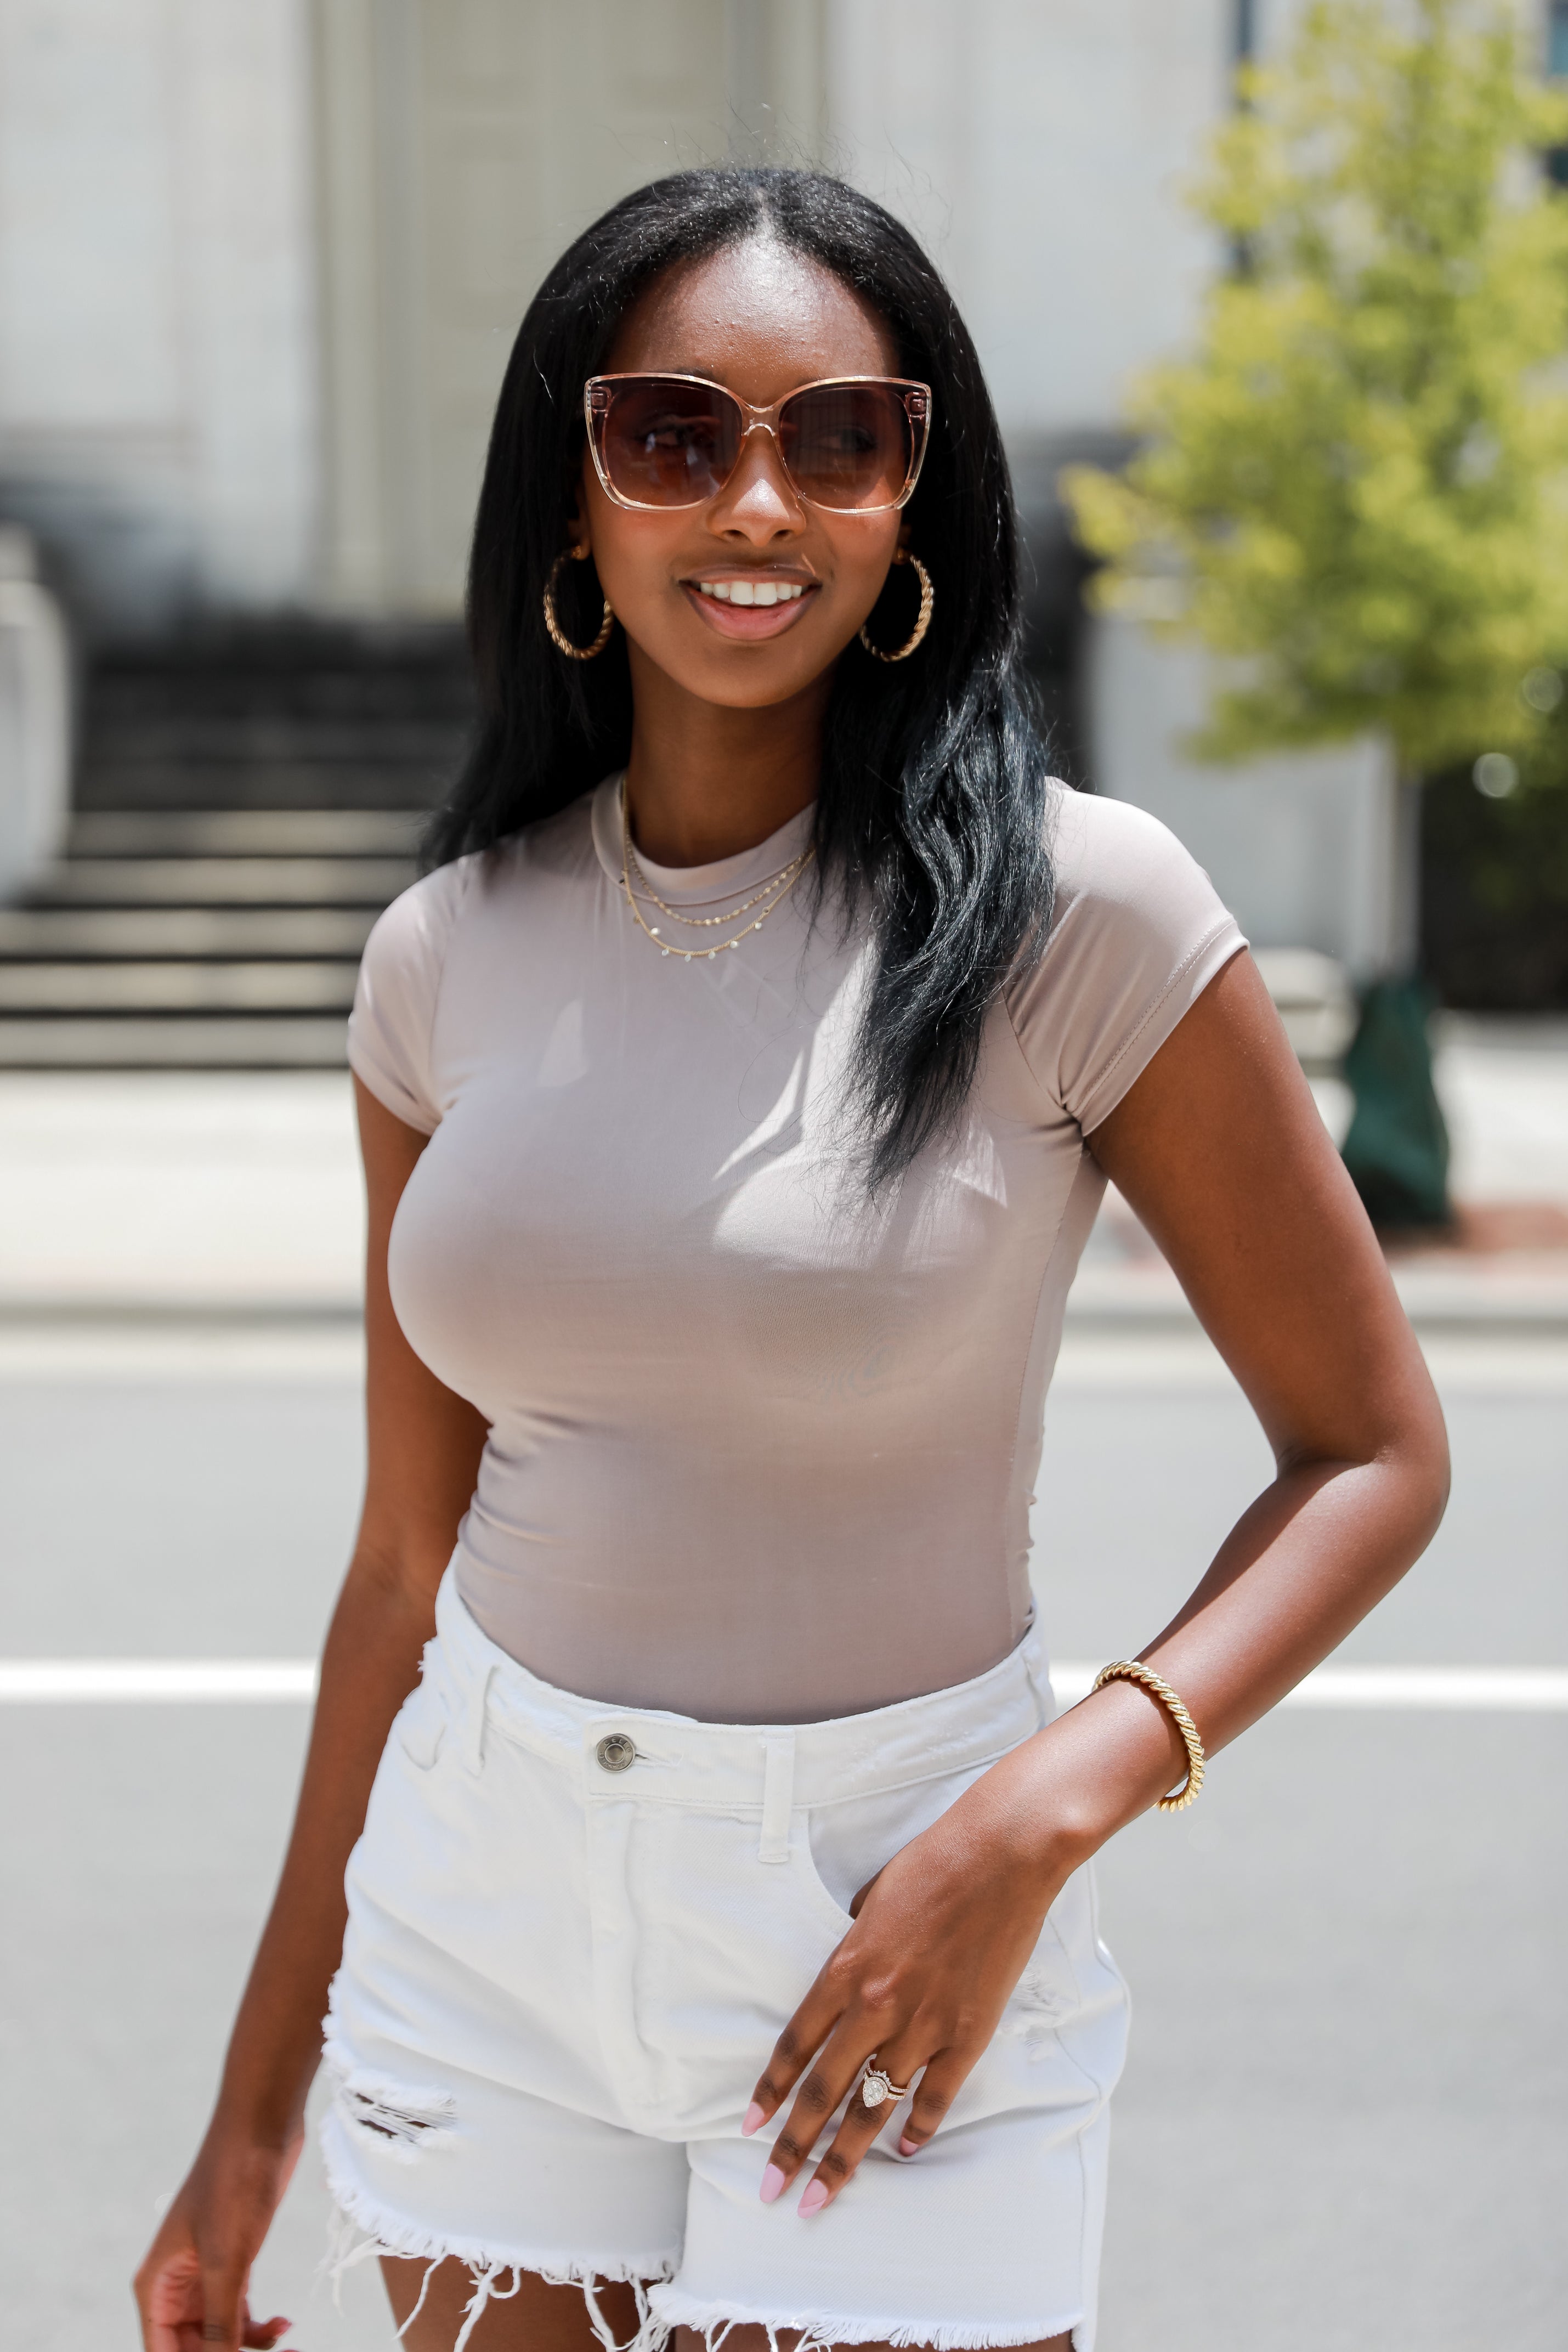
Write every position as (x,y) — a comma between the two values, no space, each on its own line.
(1362,474)
(1358,481)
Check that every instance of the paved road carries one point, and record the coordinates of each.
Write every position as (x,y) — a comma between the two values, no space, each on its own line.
(1342,2124)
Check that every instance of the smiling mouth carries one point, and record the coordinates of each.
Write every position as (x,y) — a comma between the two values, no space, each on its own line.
(751,592)
(746,611)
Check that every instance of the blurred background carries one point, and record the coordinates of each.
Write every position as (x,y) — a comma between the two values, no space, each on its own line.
(261,262)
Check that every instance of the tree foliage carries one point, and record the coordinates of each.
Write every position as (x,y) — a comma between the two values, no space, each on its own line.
(1360,477)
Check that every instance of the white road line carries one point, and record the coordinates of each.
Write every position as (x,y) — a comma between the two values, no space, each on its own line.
(31,1681)
(1514,1689)
(42,1681)
(37,1351)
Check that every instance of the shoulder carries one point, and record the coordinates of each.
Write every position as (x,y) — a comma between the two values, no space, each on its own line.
(392,1029)
(420,921)
(399,983)
(1112,860)
(1137,932)
(414,933)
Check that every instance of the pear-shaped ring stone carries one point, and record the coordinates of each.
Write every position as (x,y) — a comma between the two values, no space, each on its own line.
(876,2087)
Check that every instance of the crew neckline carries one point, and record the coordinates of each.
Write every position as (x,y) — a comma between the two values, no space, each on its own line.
(722,878)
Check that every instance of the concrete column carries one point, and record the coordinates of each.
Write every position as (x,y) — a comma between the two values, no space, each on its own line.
(34,720)
(157,365)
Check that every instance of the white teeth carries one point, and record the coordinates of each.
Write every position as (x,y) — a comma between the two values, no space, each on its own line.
(751,592)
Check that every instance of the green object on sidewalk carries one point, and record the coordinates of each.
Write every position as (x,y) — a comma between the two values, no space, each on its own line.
(1397,1146)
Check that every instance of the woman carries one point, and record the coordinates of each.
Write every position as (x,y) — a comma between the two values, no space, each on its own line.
(736,1094)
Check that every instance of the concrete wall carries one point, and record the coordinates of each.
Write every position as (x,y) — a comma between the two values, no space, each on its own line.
(1310,849)
(260,260)
(1037,147)
(158,416)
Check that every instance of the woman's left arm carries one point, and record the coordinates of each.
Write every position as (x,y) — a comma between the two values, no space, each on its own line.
(1220,1149)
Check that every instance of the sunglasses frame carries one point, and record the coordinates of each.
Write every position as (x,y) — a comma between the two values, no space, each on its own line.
(917,403)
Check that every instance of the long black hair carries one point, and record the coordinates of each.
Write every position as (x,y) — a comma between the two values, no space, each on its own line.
(933,798)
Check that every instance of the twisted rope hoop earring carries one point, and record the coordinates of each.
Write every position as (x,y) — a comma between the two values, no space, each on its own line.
(922,620)
(559,637)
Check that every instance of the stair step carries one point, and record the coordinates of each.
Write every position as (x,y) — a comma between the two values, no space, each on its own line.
(247,799)
(154,785)
(245,833)
(175,735)
(165,934)
(280,1042)
(225,882)
(125,689)
(66,988)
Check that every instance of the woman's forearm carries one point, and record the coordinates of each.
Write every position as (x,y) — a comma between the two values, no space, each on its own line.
(370,1664)
(1220,1149)
(1316,1551)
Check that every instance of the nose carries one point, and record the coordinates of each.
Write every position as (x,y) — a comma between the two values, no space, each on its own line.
(759,502)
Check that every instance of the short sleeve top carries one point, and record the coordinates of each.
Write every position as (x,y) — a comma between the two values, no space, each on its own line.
(762,1448)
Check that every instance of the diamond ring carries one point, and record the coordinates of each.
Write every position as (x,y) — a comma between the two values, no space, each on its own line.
(877,2086)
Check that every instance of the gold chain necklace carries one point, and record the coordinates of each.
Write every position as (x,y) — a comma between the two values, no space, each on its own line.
(780,877)
(780,887)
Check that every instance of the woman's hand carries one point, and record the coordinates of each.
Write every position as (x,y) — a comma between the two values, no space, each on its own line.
(941,1936)
(943,1932)
(191,2289)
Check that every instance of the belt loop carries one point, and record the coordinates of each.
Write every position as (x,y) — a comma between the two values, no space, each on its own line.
(474,1723)
(778,1795)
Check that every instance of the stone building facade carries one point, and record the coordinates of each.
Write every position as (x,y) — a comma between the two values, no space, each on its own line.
(261,261)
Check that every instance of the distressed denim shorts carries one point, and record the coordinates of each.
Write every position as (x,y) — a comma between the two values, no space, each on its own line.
(575,1932)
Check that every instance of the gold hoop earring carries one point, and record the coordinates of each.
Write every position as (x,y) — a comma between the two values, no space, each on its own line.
(922,620)
(559,637)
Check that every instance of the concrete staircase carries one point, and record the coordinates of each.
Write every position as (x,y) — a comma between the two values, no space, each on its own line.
(245,808)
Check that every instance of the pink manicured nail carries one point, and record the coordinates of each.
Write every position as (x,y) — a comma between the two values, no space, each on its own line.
(772,2184)
(815,2197)
(753,2120)
(909,2148)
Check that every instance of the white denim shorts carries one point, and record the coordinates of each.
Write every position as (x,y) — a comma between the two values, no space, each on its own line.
(575,1932)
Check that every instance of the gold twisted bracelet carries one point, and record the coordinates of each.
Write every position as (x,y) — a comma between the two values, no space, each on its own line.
(1132,1670)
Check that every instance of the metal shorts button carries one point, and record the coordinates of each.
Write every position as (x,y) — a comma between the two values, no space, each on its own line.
(615,1751)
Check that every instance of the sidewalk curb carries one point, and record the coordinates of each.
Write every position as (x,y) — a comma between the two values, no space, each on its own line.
(1147,1302)
(1107,1307)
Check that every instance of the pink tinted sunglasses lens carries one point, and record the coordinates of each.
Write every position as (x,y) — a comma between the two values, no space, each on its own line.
(849,446)
(666,444)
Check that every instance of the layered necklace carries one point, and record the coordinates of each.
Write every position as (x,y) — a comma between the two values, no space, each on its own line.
(769,894)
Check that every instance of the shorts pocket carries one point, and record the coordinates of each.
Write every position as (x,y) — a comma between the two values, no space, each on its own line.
(843,1846)
(805,1864)
(420,1725)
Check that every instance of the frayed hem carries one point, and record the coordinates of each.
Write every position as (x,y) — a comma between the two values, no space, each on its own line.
(361,2231)
(820,2331)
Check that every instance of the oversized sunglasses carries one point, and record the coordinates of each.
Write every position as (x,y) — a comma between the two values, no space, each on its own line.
(853,443)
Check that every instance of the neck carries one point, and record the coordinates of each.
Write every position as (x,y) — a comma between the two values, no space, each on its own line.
(705,781)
